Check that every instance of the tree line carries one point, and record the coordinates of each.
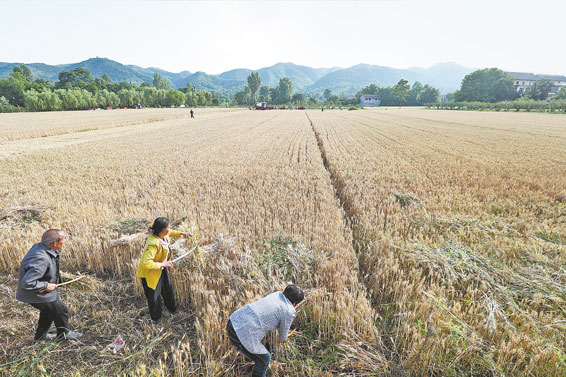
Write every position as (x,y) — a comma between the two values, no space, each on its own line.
(281,94)
(492,85)
(402,94)
(78,90)
(520,104)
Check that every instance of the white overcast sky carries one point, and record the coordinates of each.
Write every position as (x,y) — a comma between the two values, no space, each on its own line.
(215,36)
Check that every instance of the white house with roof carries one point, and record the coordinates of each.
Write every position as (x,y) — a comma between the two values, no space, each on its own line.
(558,80)
(370,100)
(523,81)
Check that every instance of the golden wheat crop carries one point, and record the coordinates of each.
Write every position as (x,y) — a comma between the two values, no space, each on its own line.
(429,242)
(256,178)
(17,126)
(460,222)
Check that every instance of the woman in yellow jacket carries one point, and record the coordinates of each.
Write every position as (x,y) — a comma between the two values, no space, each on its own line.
(155,261)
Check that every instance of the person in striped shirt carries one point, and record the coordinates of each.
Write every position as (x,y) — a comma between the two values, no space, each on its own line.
(248,325)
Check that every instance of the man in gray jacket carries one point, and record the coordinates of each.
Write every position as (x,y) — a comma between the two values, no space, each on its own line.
(248,325)
(37,285)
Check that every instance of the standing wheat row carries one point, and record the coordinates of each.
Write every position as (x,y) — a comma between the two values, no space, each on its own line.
(459,223)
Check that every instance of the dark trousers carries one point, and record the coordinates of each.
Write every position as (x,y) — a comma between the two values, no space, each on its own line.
(261,360)
(164,288)
(50,312)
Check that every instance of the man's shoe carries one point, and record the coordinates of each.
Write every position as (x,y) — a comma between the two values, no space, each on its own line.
(71,335)
(47,338)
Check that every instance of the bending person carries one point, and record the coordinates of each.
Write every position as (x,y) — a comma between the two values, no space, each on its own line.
(37,285)
(153,267)
(248,325)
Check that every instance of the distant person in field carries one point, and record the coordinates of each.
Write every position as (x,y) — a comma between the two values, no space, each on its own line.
(248,325)
(38,276)
(192,113)
(322,108)
(152,270)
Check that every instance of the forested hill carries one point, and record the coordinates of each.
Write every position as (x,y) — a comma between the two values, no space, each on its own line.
(445,76)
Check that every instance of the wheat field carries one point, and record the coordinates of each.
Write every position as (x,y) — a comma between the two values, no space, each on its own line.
(428,242)
(43,124)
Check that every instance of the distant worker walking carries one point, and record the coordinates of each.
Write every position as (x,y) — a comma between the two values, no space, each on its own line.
(192,113)
(152,270)
(248,325)
(39,273)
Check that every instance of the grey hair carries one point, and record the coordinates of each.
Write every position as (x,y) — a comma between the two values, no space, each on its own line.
(51,236)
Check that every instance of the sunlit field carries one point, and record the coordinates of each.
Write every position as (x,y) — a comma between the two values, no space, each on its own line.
(428,242)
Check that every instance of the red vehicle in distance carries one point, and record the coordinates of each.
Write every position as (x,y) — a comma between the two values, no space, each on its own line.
(260,106)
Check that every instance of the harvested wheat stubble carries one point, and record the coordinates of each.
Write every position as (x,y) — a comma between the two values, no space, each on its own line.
(16,126)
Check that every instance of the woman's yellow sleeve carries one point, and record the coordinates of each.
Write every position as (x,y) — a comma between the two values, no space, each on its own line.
(148,256)
(174,233)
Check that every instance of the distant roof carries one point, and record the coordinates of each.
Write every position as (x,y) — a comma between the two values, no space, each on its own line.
(554,77)
(371,96)
(523,76)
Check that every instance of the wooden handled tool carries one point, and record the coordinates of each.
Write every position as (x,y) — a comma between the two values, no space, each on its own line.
(65,283)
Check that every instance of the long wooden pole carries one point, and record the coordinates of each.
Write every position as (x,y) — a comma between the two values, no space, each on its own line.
(65,283)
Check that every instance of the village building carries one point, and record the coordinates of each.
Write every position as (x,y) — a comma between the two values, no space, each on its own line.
(558,80)
(524,81)
(370,100)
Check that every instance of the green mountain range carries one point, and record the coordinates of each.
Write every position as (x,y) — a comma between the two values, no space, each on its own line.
(447,77)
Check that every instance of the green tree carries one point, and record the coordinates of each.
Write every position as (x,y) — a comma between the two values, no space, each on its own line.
(285,90)
(274,94)
(127,97)
(413,98)
(486,85)
(53,100)
(561,93)
(191,98)
(13,90)
(113,100)
(105,98)
(388,96)
(69,100)
(401,91)
(215,99)
(264,94)
(248,93)
(370,89)
(42,101)
(428,95)
(25,71)
(42,84)
(77,78)
(241,98)
(540,89)
(174,98)
(161,97)
(159,82)
(100,98)
(327,94)
(204,98)
(254,82)
(150,96)
(298,99)
(5,106)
